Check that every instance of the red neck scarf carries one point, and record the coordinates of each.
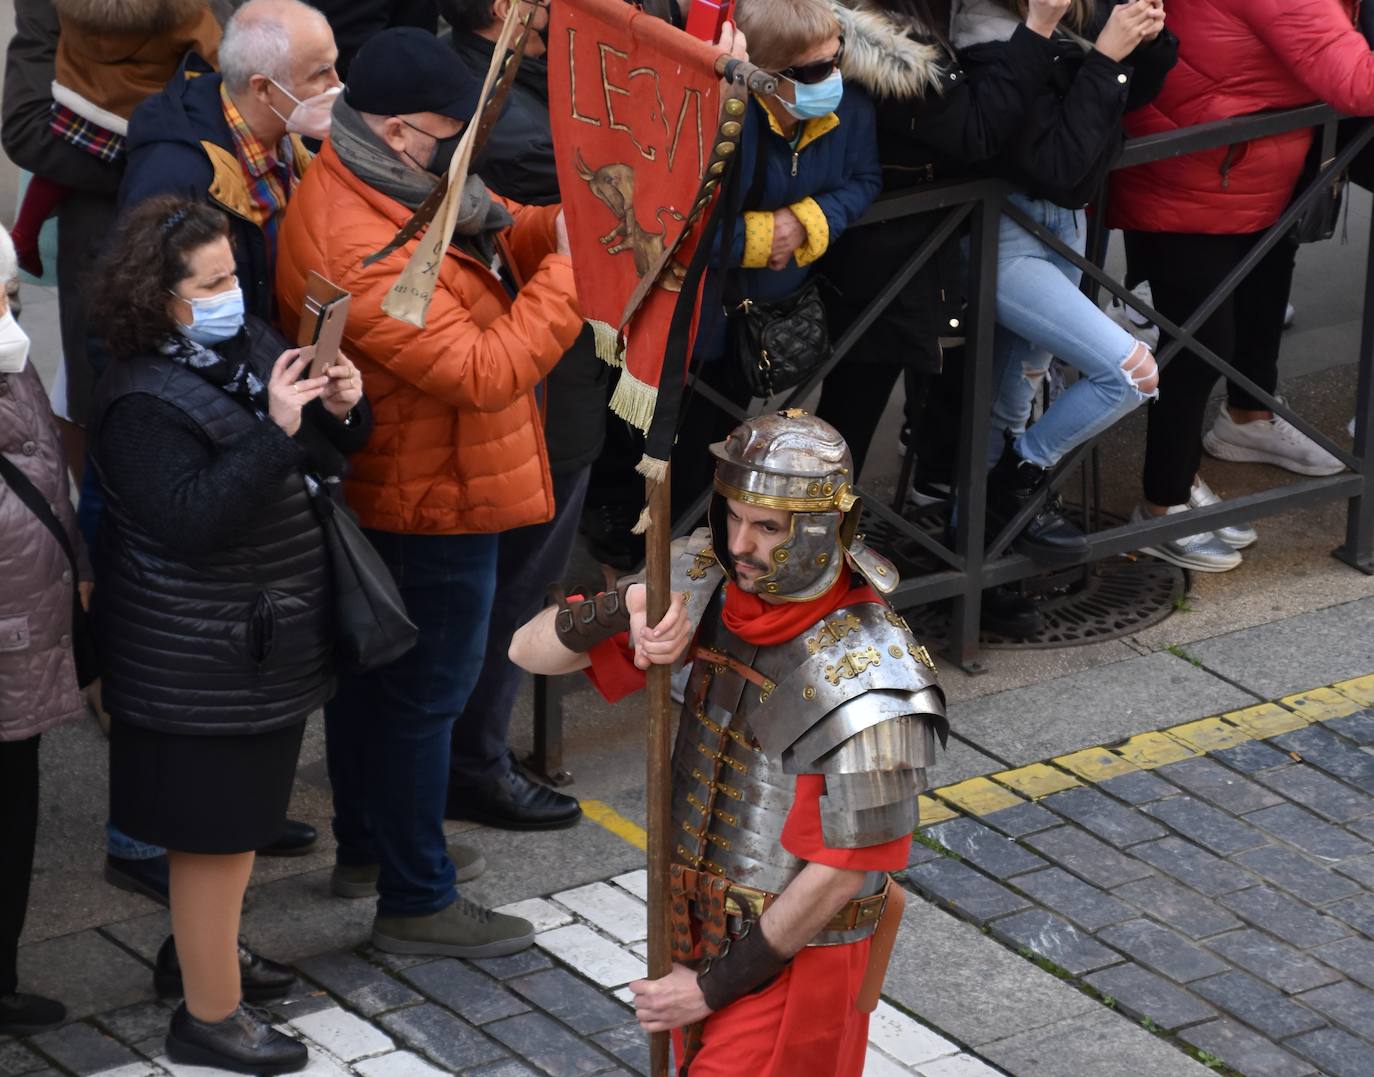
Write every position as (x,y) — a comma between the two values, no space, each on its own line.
(766,624)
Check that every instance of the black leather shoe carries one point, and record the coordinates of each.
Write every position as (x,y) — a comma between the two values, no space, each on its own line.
(296,839)
(1010,613)
(1049,538)
(146,877)
(244,1042)
(263,980)
(23,1015)
(511,802)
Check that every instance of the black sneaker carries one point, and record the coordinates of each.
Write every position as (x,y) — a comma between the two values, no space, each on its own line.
(23,1015)
(1009,613)
(1049,538)
(263,980)
(244,1042)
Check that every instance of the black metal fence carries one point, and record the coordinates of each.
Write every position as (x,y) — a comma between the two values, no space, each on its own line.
(969,560)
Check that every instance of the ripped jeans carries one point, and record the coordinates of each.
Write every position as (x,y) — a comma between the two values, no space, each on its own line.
(1041,313)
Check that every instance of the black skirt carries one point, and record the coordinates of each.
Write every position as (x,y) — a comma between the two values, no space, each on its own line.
(202,794)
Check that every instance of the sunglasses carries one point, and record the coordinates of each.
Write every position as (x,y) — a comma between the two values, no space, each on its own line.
(815,72)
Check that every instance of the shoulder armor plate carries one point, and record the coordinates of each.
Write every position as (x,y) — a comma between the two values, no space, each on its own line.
(855,651)
(695,573)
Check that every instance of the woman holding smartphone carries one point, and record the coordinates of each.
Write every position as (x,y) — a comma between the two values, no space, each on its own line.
(215,615)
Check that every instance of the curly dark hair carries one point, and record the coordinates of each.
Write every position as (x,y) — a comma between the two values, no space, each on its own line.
(149,254)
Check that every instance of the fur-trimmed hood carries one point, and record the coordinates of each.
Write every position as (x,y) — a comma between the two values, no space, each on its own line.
(130,16)
(881,55)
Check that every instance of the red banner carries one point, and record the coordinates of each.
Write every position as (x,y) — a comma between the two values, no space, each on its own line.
(635,108)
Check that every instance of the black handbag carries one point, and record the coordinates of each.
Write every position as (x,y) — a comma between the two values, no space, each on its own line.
(1318,221)
(778,345)
(371,627)
(84,651)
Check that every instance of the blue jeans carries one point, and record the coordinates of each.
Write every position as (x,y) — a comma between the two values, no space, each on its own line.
(388,732)
(529,560)
(1041,313)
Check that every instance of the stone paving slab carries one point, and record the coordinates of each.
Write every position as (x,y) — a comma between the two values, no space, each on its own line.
(1293,654)
(1094,706)
(1213,880)
(548,1010)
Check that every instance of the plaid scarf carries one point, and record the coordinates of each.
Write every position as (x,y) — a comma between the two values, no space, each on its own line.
(85,135)
(271,177)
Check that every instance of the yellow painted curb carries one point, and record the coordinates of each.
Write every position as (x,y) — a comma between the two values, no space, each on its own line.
(978,796)
(1361,690)
(1150,750)
(933,811)
(606,816)
(1210,734)
(1036,781)
(1321,704)
(1095,764)
(1266,720)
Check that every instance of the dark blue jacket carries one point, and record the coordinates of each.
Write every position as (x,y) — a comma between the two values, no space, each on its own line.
(180,143)
(836,166)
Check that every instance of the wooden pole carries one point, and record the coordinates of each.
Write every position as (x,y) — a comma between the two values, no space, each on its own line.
(658,792)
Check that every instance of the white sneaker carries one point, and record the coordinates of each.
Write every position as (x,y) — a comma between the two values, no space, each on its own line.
(1203,552)
(1132,320)
(1268,441)
(1288,315)
(1237,537)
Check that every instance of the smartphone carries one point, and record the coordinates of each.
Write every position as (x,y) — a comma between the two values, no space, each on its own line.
(324,312)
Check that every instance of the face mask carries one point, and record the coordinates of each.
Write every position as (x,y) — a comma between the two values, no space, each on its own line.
(311,117)
(815,99)
(215,318)
(14,345)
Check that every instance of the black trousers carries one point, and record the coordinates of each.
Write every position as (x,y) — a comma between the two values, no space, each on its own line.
(1246,330)
(18,827)
(528,559)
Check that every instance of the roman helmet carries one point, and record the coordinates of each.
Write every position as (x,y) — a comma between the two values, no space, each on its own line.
(796,462)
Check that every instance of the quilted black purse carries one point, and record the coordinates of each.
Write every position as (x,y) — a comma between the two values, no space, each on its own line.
(780,344)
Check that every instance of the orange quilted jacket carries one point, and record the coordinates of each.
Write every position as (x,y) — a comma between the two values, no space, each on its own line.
(457,444)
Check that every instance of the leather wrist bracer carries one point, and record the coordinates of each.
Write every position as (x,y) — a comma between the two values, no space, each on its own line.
(744,965)
(583,623)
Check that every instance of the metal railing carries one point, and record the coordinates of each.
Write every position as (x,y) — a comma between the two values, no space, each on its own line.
(972,561)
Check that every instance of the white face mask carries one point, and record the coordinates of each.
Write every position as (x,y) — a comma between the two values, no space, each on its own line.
(311,117)
(14,345)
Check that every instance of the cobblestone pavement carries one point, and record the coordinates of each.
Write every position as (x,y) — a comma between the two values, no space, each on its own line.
(558,1009)
(1214,880)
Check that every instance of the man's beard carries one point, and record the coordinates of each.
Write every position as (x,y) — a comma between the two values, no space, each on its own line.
(749,584)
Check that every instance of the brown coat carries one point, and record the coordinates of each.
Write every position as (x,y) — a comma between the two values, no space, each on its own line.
(37,674)
(114,53)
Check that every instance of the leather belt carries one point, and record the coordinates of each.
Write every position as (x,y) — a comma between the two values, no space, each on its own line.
(749,673)
(751,903)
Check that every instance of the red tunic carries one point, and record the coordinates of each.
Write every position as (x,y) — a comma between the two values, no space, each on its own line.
(805,1022)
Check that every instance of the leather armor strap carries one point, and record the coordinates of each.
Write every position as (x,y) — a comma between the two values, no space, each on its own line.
(749,673)
(880,951)
(583,623)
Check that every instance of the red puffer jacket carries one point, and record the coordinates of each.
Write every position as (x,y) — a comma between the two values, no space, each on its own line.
(1236,57)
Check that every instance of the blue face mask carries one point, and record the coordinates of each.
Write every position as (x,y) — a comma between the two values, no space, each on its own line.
(815,99)
(215,318)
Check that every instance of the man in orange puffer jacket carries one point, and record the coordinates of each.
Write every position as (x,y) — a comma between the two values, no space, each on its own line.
(456,455)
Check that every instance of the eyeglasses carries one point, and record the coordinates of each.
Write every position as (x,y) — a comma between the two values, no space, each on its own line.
(815,72)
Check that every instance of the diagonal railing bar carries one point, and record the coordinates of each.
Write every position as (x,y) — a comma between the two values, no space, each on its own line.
(880,302)
(1185,335)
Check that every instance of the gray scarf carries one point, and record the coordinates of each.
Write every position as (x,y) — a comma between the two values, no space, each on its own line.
(373,162)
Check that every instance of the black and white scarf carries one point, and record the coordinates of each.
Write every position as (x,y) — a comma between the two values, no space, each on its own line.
(225,365)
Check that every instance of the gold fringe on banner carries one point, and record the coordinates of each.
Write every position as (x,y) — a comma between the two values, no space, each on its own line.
(653,469)
(608,343)
(634,401)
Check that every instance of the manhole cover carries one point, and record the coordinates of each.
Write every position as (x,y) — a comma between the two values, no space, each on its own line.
(1102,601)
